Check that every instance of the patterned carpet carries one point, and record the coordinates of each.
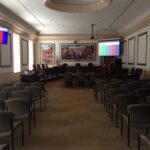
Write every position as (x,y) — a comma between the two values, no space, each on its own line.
(73,120)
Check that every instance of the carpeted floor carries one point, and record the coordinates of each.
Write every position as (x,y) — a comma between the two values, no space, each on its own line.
(73,120)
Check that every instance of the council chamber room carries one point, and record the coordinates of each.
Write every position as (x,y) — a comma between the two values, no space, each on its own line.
(74,74)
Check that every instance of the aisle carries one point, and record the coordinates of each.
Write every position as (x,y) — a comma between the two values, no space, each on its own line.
(73,120)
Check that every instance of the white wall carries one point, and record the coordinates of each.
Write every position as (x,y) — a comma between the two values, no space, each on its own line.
(141,49)
(57,51)
(6,61)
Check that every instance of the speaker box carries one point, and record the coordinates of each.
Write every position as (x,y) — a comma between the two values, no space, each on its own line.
(118,64)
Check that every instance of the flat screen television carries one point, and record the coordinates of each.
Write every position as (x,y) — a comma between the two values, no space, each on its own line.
(109,48)
(3,35)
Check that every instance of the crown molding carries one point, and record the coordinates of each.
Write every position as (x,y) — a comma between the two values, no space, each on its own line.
(74,37)
(91,7)
(16,24)
(137,26)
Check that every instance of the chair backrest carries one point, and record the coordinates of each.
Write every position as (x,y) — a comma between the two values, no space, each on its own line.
(78,64)
(137,73)
(64,67)
(22,84)
(17,105)
(6,121)
(1,105)
(112,93)
(148,99)
(68,76)
(131,70)
(39,67)
(43,66)
(146,85)
(90,67)
(39,84)
(10,89)
(108,86)
(123,100)
(143,138)
(46,65)
(35,91)
(4,146)
(139,113)
(92,75)
(80,76)
(142,94)
(5,85)
(21,94)
(35,67)
(130,86)
(3,97)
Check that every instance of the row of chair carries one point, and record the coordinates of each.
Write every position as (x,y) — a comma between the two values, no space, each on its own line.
(4,147)
(79,78)
(131,100)
(134,73)
(17,103)
(45,73)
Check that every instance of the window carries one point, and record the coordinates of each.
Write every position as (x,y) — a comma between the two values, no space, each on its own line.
(16,53)
(30,55)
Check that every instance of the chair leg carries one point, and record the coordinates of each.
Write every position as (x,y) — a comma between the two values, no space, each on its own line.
(8,147)
(112,112)
(41,104)
(117,117)
(29,123)
(121,126)
(12,139)
(44,102)
(139,142)
(106,104)
(22,129)
(34,115)
(102,97)
(128,133)
(109,109)
(147,129)
(46,95)
(95,93)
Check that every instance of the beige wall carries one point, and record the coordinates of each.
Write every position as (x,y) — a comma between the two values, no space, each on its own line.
(141,57)
(9,77)
(57,50)
(26,32)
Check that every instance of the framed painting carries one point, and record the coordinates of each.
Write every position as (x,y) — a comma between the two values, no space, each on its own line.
(131,51)
(142,49)
(47,53)
(24,52)
(77,52)
(6,53)
(124,52)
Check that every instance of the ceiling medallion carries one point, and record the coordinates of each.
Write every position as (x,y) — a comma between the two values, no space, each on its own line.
(78,6)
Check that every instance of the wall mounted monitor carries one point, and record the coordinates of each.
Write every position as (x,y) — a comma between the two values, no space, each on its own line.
(109,48)
(3,35)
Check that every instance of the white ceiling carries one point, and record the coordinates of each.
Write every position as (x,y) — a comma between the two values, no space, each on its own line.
(108,21)
(75,1)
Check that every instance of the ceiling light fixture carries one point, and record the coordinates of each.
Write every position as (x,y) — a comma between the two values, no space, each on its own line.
(75,42)
(77,6)
(92,25)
